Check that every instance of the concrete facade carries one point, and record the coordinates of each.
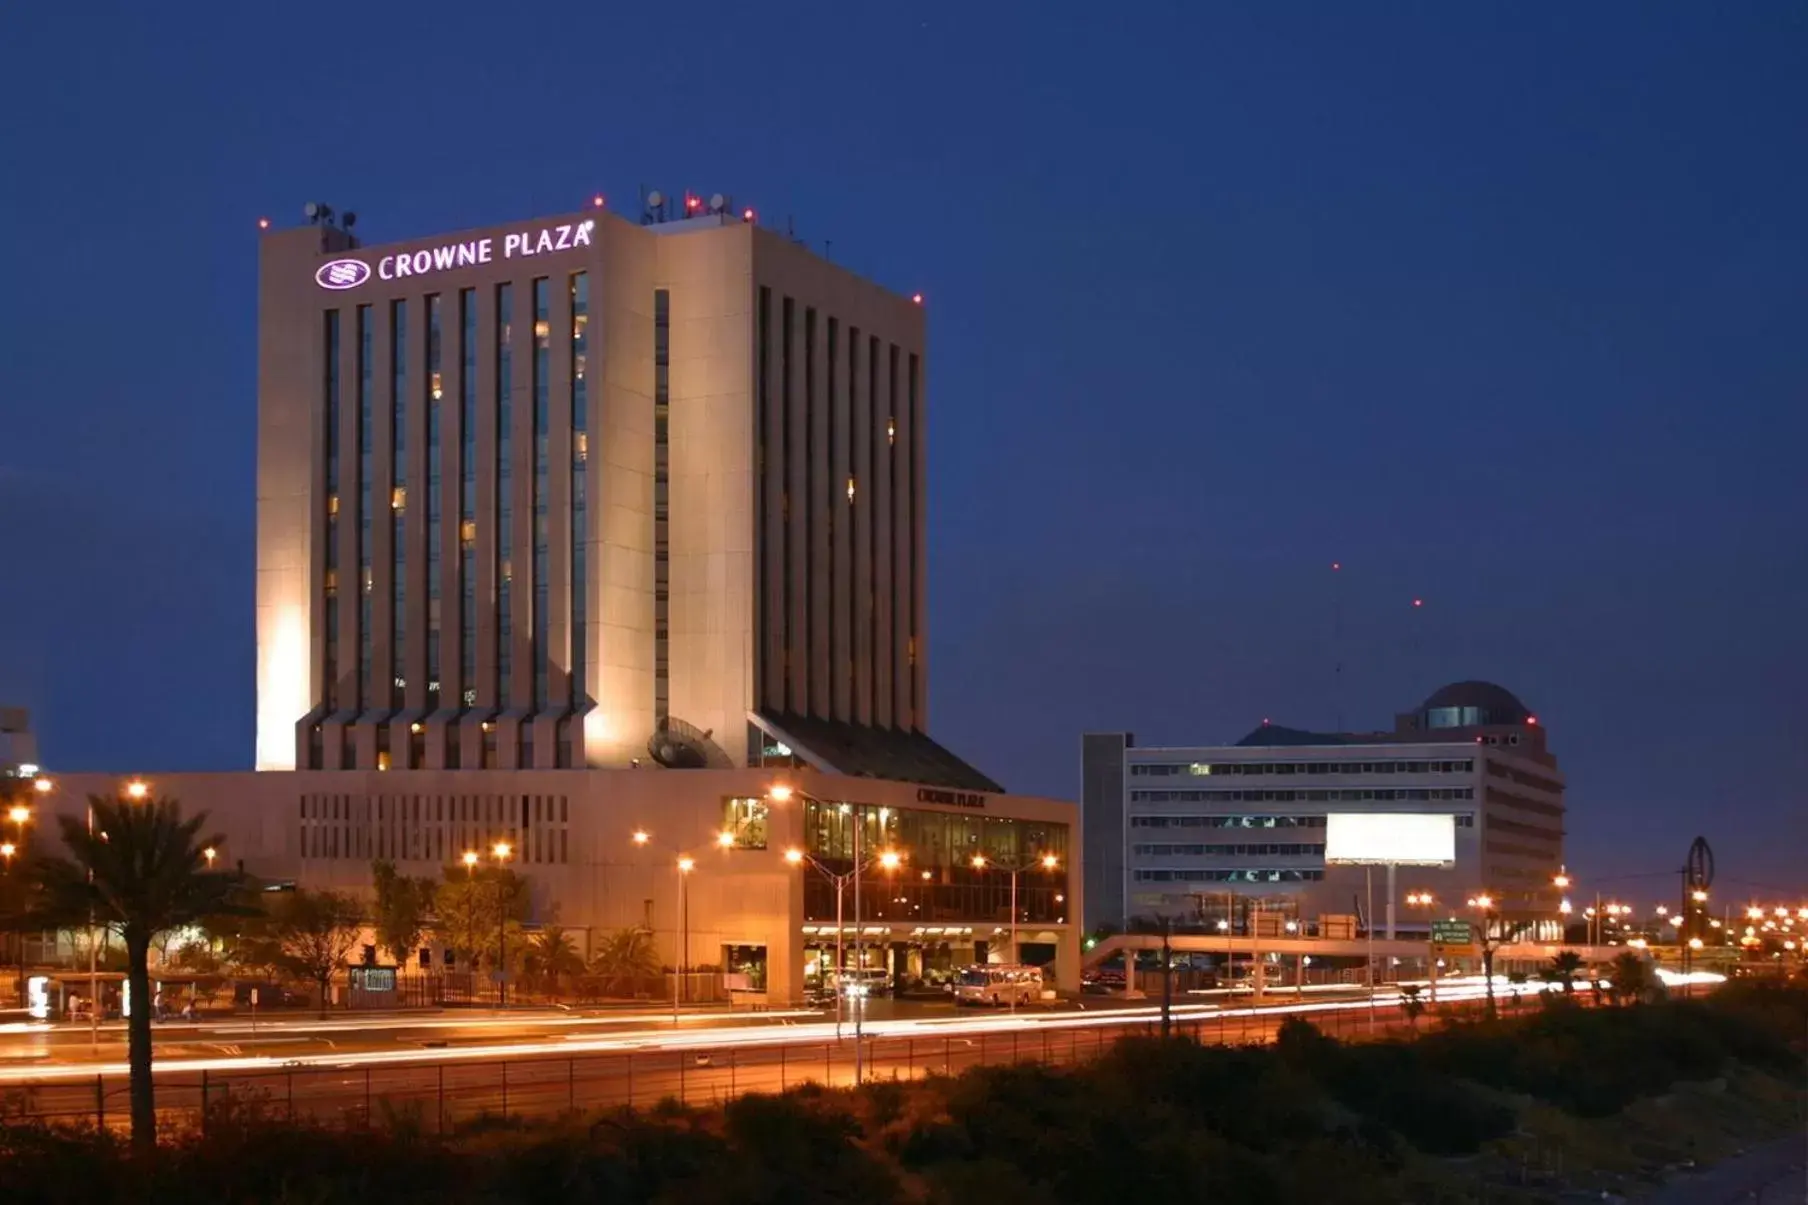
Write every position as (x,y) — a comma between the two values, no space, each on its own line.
(1202,831)
(571,832)
(676,487)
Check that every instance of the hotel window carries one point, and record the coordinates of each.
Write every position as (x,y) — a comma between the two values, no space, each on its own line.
(330,662)
(467,495)
(831,482)
(745,820)
(909,533)
(365,501)
(808,636)
(398,469)
(662,500)
(505,488)
(762,468)
(542,469)
(857,455)
(580,502)
(435,389)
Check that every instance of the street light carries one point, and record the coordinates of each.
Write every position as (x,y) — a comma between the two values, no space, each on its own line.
(136,790)
(888,860)
(684,864)
(1046,861)
(1424,899)
(210,853)
(501,851)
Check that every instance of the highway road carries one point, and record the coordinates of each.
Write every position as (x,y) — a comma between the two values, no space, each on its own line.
(544,1064)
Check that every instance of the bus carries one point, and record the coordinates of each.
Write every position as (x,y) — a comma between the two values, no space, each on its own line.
(998,984)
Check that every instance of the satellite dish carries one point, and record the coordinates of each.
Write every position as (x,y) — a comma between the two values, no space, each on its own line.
(655,198)
(311,210)
(677,745)
(717,202)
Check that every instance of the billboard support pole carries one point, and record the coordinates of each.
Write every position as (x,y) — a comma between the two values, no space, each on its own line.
(1368,874)
(1390,901)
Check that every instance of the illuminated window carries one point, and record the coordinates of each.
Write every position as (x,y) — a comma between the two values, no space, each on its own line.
(542,386)
(746,821)
(580,501)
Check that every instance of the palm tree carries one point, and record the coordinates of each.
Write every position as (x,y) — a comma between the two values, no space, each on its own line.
(139,867)
(552,955)
(624,956)
(1633,979)
(1563,968)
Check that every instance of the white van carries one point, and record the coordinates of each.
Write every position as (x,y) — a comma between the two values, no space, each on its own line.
(998,984)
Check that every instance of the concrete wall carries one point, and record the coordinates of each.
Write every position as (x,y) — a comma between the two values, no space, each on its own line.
(572,831)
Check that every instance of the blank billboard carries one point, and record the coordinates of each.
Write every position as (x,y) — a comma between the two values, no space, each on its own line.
(1381,838)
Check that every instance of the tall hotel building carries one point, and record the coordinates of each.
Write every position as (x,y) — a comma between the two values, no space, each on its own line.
(575,538)
(583,492)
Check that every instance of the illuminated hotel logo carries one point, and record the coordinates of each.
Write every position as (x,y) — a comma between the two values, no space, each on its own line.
(342,274)
(350,273)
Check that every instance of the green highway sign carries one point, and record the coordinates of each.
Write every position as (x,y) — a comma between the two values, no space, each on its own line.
(1452,933)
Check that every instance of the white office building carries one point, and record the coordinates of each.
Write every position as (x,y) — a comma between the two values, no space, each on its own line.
(1206,832)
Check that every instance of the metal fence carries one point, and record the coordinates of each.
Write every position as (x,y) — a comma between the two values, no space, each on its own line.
(439,1096)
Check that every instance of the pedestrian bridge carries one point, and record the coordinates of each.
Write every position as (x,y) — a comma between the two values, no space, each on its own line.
(1227,944)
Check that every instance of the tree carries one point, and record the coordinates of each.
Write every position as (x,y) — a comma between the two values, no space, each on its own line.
(1633,980)
(403,905)
(550,955)
(473,907)
(140,868)
(315,931)
(623,957)
(1563,968)
(1491,937)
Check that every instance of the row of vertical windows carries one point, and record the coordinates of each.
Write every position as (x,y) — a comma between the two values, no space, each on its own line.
(912,400)
(434,827)
(365,403)
(505,507)
(812,487)
(467,496)
(1208,769)
(542,466)
(330,502)
(762,406)
(425,381)
(662,501)
(398,470)
(1228,876)
(580,500)
(435,391)
(1350,795)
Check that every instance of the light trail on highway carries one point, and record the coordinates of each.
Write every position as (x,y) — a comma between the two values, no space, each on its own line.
(1463,990)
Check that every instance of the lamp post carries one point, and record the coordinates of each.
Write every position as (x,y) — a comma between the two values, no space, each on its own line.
(684,864)
(887,860)
(19,814)
(1425,900)
(470,860)
(1015,868)
(501,851)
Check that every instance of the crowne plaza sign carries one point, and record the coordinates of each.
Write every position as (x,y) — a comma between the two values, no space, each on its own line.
(348,272)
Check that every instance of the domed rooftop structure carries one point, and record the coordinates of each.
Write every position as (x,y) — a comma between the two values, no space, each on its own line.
(1472,705)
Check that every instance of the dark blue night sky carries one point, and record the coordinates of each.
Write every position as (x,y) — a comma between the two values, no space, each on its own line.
(1501,306)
